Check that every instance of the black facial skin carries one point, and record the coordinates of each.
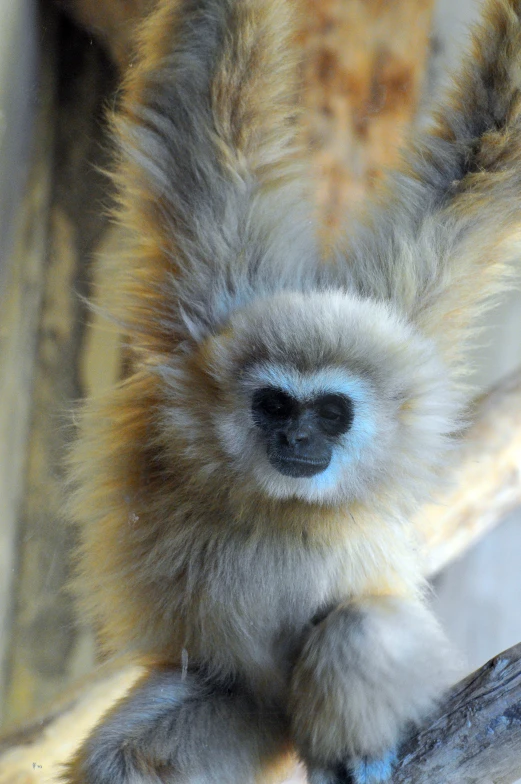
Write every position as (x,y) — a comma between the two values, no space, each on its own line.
(300,435)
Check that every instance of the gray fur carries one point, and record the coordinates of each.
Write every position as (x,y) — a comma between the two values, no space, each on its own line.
(231,241)
(175,728)
(367,671)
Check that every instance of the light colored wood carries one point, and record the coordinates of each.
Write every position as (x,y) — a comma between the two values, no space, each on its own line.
(475,736)
(20,303)
(34,754)
(485,482)
(44,633)
(48,646)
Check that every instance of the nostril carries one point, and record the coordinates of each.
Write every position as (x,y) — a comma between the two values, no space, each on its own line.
(282,438)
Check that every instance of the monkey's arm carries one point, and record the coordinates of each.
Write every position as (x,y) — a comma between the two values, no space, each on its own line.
(365,673)
(447,225)
(210,184)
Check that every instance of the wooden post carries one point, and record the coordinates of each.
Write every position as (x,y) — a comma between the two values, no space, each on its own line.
(22,279)
(48,647)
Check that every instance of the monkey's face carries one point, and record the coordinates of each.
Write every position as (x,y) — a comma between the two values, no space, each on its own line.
(326,397)
(301,435)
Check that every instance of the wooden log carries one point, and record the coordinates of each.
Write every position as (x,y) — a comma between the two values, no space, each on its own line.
(48,646)
(364,64)
(33,754)
(483,482)
(475,736)
(21,292)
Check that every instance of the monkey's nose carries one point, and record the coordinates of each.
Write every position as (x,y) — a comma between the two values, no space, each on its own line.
(294,437)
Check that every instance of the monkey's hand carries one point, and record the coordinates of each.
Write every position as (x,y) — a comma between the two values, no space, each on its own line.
(369,670)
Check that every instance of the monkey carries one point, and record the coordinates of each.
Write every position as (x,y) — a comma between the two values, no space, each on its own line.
(244,496)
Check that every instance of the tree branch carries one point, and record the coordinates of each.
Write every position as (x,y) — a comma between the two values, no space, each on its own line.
(476,738)
(485,478)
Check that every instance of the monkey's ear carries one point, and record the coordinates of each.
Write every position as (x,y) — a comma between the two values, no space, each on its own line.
(209,177)
(446,230)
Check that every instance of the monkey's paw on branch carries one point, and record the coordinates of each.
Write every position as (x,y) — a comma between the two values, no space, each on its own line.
(366,771)
(372,771)
(474,737)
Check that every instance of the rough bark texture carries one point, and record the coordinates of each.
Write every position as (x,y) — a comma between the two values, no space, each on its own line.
(477,736)
(364,65)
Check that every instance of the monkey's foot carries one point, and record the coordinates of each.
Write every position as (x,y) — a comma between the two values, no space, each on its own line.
(364,771)
(371,771)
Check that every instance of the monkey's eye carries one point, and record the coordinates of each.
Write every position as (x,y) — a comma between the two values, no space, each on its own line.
(270,404)
(335,413)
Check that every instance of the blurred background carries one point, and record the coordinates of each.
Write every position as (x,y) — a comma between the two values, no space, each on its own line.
(371,70)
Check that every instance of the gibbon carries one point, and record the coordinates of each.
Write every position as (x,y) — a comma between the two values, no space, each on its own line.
(245,494)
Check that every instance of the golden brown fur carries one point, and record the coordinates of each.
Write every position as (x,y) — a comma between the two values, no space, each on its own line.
(274,607)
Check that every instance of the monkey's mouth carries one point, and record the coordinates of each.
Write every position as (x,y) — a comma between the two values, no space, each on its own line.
(297,467)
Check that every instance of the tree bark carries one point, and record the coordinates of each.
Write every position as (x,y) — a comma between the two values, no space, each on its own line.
(22,276)
(476,737)
(364,64)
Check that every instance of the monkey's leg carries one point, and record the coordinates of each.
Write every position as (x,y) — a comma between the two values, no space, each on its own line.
(366,672)
(171,729)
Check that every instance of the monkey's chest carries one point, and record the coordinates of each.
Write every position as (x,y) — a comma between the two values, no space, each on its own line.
(252,616)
